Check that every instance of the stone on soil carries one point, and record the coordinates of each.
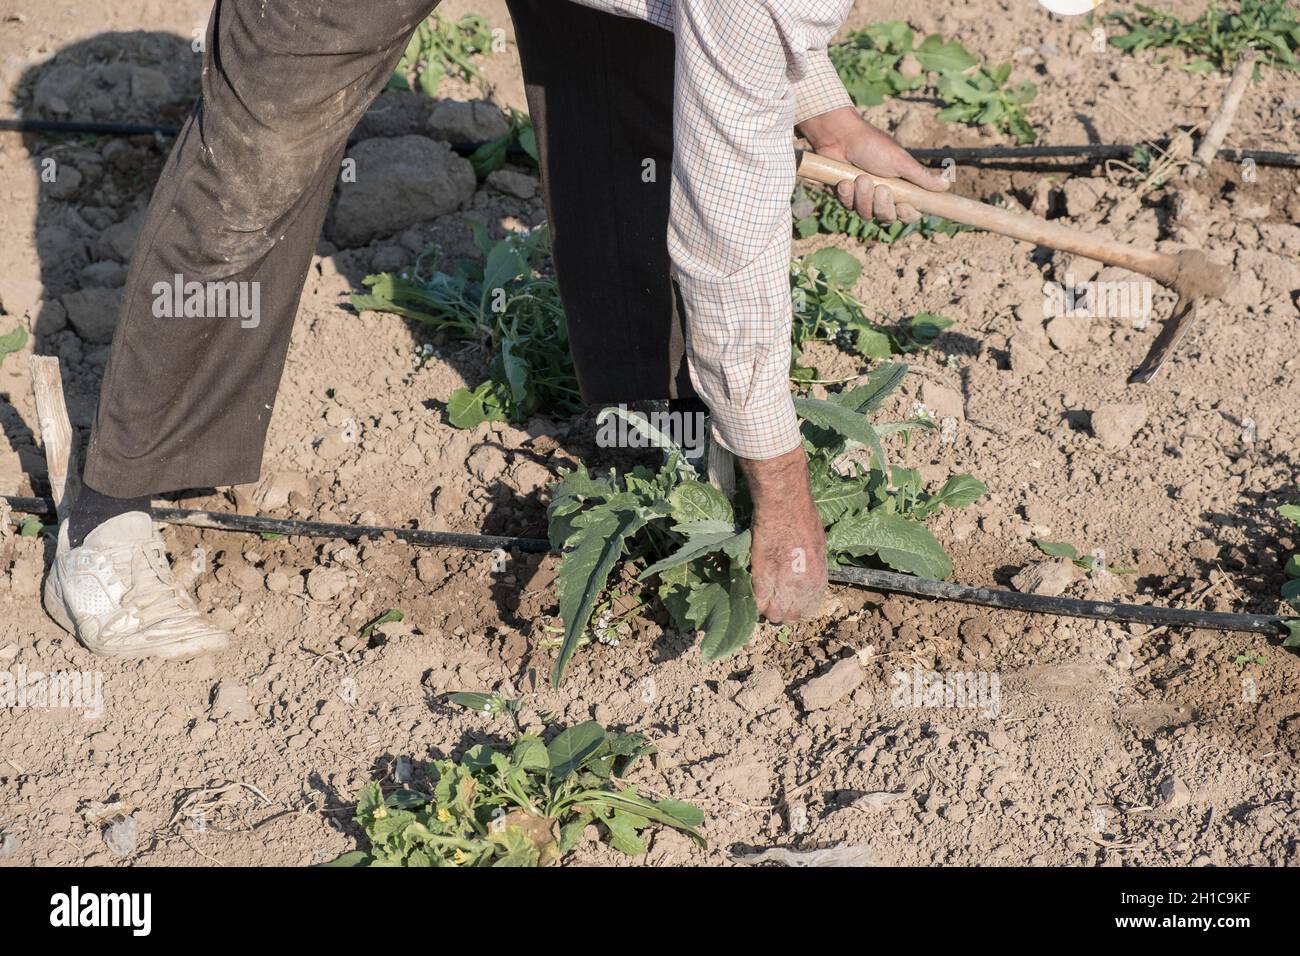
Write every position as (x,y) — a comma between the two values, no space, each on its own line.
(1049,578)
(93,313)
(762,689)
(475,122)
(943,401)
(325,584)
(400,181)
(519,185)
(831,686)
(1116,424)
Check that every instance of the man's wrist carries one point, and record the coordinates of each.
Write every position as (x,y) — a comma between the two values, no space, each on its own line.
(828,132)
(772,481)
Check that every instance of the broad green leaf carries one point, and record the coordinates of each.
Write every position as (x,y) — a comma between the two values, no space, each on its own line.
(630,801)
(529,753)
(903,544)
(466,409)
(835,498)
(516,370)
(1056,549)
(836,266)
(352,858)
(504,264)
(483,703)
(734,543)
(623,836)
(924,327)
(572,831)
(959,491)
(939,56)
(684,813)
(489,157)
(697,501)
(869,396)
(573,746)
(727,614)
(1293,625)
(874,343)
(597,542)
(851,425)
(1290,511)
(12,341)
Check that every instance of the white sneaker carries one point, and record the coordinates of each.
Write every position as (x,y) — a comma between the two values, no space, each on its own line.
(117,594)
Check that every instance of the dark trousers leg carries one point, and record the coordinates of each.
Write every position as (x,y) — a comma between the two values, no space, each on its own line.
(185,402)
(600,94)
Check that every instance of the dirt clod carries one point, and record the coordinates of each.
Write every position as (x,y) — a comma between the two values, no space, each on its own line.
(831,686)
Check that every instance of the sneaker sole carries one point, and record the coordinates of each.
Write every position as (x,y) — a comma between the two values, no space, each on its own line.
(188,647)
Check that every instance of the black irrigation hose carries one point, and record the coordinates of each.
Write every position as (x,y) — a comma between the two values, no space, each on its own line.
(1091,151)
(1067,607)
(310,529)
(863,577)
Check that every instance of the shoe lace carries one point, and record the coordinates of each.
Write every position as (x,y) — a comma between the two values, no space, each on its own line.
(154,595)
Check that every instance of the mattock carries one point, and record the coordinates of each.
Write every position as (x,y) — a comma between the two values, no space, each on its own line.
(1188,273)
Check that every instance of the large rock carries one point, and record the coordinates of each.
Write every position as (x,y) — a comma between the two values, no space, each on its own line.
(395,113)
(476,122)
(1116,424)
(399,181)
(93,313)
(117,242)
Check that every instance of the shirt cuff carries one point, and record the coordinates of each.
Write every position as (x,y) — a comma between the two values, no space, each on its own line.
(738,350)
(820,89)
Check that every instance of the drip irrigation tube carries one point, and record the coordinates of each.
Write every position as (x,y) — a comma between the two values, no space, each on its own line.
(887,581)
(1095,152)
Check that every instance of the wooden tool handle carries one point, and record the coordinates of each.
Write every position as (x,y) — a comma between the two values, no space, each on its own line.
(56,432)
(1017,225)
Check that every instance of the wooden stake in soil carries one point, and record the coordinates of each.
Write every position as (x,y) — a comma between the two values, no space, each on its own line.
(56,432)
(1222,121)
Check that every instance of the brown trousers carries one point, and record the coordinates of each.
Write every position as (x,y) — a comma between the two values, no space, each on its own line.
(185,402)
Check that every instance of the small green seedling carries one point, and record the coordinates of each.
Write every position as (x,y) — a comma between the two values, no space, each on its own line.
(985,98)
(1243,660)
(491,156)
(826,310)
(1089,562)
(33,528)
(1216,39)
(527,806)
(817,210)
(869,62)
(440,48)
(492,703)
(503,305)
(388,617)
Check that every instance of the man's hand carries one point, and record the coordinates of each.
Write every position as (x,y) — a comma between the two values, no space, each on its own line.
(789,545)
(843,134)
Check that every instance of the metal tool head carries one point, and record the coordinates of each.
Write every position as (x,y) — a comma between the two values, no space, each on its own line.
(1179,324)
